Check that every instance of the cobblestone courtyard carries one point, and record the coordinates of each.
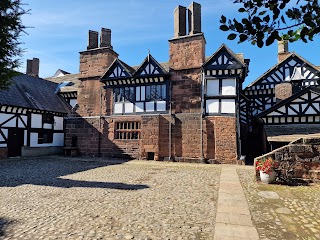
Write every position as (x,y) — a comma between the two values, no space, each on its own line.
(56,198)
(61,198)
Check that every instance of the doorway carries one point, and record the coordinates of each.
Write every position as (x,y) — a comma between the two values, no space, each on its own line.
(15,141)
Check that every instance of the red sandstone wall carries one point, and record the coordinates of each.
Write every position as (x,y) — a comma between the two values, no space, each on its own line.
(187,52)
(225,136)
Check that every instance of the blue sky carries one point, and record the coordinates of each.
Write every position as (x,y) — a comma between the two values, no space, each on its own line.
(60,28)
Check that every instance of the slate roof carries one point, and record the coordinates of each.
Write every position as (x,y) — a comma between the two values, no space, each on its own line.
(74,78)
(33,93)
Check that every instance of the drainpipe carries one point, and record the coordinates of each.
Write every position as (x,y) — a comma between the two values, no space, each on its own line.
(170,125)
(100,117)
(201,115)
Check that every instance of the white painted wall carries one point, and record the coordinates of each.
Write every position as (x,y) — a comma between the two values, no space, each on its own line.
(73,102)
(36,120)
(4,117)
(5,132)
(58,140)
(128,107)
(58,123)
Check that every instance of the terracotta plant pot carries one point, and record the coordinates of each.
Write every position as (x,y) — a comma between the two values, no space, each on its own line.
(269,177)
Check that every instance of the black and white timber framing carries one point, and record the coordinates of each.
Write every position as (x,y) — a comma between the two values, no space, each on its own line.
(294,69)
(144,90)
(224,73)
(302,107)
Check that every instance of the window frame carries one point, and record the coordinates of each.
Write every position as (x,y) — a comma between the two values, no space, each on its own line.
(220,97)
(127,130)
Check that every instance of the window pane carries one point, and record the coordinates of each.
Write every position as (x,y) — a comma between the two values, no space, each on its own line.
(212,106)
(228,87)
(164,92)
(213,87)
(228,106)
(116,93)
(121,95)
(148,93)
(137,94)
(143,93)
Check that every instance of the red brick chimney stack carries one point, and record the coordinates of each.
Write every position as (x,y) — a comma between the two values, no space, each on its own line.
(283,50)
(92,39)
(194,18)
(105,38)
(33,67)
(180,24)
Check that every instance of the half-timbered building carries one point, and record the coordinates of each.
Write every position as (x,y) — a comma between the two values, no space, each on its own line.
(186,109)
(31,117)
(286,98)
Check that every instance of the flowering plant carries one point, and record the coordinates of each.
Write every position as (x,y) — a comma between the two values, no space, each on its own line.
(266,165)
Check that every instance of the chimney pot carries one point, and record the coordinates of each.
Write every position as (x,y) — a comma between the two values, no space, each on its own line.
(105,38)
(180,21)
(283,50)
(33,67)
(92,39)
(194,18)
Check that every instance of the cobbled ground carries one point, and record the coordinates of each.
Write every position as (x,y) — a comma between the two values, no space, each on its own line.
(282,212)
(63,198)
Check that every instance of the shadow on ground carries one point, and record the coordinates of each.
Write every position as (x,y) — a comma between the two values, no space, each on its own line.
(3,225)
(47,172)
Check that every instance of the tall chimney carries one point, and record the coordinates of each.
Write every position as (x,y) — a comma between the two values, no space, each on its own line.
(33,67)
(105,38)
(180,21)
(283,50)
(92,39)
(194,18)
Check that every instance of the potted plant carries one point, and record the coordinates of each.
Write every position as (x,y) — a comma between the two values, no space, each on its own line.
(266,166)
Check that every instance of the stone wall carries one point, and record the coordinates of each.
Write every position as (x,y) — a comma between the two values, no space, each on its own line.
(306,151)
(225,136)
(187,52)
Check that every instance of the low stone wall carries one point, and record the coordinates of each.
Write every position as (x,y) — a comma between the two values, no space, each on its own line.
(307,153)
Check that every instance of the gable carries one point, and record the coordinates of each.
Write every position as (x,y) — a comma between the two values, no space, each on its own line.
(150,67)
(292,69)
(117,70)
(302,107)
(223,59)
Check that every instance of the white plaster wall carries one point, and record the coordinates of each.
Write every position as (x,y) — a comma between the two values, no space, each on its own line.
(58,123)
(128,107)
(58,140)
(25,138)
(36,120)
(5,132)
(4,117)
(47,126)
(73,102)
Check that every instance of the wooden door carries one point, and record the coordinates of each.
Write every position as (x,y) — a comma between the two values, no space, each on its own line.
(15,141)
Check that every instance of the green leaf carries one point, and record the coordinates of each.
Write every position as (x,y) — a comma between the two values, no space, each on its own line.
(242,10)
(224,27)
(232,36)
(269,40)
(223,19)
(242,38)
